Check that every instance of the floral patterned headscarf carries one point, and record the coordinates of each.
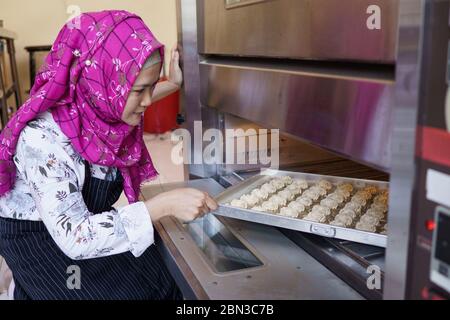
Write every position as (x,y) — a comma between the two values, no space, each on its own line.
(85,82)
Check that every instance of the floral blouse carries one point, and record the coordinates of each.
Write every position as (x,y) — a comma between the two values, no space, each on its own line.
(50,177)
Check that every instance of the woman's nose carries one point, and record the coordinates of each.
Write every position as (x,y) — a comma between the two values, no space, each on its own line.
(146,99)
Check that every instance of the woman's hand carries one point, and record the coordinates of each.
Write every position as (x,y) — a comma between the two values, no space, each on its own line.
(184,204)
(175,73)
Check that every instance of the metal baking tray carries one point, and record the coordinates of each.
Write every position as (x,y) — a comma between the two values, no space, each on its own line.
(321,229)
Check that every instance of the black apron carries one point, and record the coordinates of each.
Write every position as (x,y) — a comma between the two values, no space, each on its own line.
(42,271)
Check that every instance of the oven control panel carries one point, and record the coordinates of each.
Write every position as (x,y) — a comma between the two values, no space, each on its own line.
(440,255)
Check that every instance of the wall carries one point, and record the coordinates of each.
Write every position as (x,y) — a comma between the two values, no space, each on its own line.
(38,22)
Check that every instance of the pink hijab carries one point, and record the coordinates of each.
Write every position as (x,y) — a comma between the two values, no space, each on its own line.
(85,82)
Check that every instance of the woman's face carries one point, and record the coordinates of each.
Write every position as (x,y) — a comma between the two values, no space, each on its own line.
(140,97)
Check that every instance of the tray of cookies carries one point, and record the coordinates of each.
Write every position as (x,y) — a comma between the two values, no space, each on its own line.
(334,207)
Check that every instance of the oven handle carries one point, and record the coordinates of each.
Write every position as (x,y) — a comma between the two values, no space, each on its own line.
(325,231)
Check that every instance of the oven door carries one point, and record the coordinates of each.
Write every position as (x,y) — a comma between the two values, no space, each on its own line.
(352,30)
(221,259)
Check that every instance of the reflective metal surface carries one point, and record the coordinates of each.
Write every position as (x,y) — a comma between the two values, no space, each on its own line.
(221,247)
(322,229)
(357,30)
(421,101)
(187,37)
(364,113)
(288,272)
(348,260)
(289,151)
(345,111)
(403,147)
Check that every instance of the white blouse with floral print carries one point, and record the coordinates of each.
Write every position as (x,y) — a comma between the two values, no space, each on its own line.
(50,177)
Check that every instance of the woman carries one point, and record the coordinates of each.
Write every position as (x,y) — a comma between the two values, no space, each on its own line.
(65,158)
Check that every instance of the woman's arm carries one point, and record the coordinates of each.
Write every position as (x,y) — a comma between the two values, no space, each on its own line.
(173,83)
(163,89)
(54,174)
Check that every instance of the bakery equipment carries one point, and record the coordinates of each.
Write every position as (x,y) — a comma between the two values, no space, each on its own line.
(322,229)
(357,90)
(440,260)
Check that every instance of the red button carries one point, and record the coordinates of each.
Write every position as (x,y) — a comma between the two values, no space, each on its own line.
(437,297)
(430,225)
(425,293)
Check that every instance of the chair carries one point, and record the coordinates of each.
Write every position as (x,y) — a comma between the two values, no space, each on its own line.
(32,50)
(7,39)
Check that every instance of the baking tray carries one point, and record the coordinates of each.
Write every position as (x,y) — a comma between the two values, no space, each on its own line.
(297,224)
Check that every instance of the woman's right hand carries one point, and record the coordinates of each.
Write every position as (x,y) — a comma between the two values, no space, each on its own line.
(185,204)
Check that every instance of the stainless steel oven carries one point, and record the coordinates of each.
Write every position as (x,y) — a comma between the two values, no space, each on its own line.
(342,81)
(364,30)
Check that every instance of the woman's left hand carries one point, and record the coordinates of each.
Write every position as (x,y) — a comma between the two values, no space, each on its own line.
(175,73)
